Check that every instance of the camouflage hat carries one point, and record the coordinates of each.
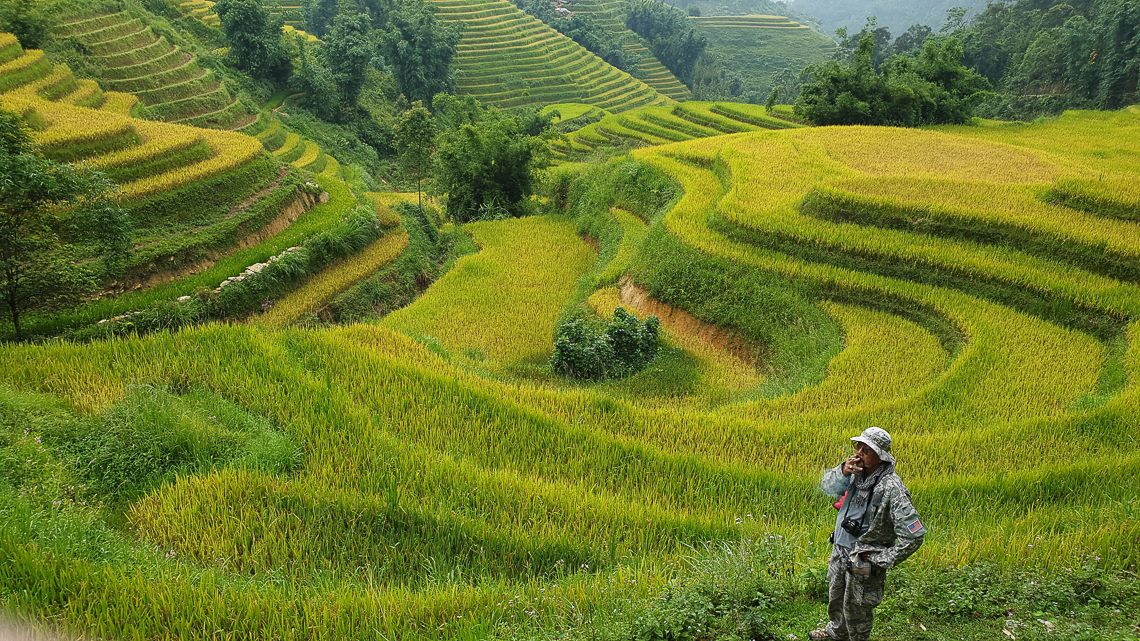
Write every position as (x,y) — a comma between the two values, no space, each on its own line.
(877,439)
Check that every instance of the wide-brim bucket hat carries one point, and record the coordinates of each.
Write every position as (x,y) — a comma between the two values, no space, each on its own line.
(877,439)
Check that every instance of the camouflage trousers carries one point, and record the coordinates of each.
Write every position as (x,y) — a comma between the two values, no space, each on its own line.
(852,597)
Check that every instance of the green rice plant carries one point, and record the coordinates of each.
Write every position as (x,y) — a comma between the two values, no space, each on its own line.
(123,44)
(201,82)
(157,80)
(126,70)
(140,55)
(221,118)
(87,24)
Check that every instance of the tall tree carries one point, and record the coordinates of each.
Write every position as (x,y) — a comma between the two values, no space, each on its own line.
(415,142)
(349,51)
(36,270)
(254,37)
(319,15)
(489,166)
(27,20)
(419,50)
(677,45)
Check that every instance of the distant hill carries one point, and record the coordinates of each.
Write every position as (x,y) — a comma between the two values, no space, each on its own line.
(896,15)
(758,47)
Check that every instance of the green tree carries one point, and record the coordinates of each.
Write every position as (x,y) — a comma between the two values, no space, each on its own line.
(415,142)
(37,271)
(316,82)
(932,88)
(254,37)
(488,166)
(26,20)
(677,45)
(319,16)
(348,52)
(419,49)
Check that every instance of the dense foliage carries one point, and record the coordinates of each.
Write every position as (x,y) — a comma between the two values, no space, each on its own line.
(488,161)
(676,44)
(621,347)
(930,88)
(419,49)
(1042,57)
(892,14)
(254,37)
(1049,56)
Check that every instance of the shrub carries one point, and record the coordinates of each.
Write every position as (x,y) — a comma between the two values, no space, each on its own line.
(623,347)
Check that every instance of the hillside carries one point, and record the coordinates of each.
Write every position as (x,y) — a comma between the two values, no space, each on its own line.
(507,58)
(611,15)
(207,206)
(896,15)
(166,80)
(970,289)
(758,47)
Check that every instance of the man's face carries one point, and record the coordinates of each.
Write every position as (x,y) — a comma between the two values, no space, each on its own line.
(867,456)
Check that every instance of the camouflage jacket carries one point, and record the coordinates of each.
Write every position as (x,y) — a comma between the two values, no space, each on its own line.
(895,531)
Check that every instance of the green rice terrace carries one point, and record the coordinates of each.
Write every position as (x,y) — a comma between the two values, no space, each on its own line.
(314,411)
(611,15)
(167,81)
(759,46)
(508,58)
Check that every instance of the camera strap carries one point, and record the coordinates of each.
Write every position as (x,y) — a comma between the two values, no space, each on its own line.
(850,498)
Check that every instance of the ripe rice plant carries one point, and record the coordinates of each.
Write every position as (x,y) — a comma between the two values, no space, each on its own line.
(332,281)
(230,151)
(527,265)
(431,490)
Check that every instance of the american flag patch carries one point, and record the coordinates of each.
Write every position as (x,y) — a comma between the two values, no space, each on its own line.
(914,527)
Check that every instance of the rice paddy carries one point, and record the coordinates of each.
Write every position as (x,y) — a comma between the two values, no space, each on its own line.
(165,79)
(508,58)
(437,483)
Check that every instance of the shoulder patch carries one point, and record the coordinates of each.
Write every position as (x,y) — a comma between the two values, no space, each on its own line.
(914,527)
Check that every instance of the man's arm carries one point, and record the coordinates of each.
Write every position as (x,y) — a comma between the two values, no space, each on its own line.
(835,482)
(908,528)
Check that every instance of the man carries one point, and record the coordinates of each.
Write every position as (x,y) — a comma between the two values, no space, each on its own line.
(876,529)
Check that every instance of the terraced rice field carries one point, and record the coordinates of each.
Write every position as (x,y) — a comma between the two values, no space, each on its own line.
(166,80)
(611,15)
(984,280)
(290,148)
(759,46)
(193,193)
(649,126)
(508,59)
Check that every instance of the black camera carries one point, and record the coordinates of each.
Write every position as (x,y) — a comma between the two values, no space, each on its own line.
(853,527)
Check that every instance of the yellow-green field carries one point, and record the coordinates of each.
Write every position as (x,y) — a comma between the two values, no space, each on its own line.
(502,302)
(982,280)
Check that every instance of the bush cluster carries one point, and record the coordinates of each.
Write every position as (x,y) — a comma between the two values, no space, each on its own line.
(623,346)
